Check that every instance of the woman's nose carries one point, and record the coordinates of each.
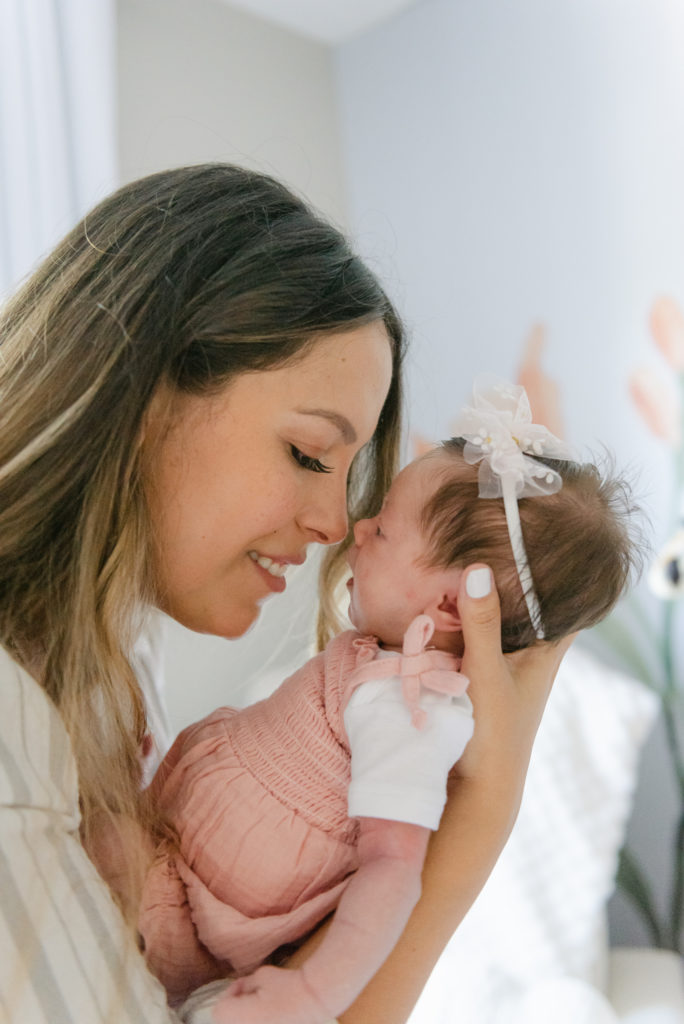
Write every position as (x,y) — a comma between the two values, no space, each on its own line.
(326,518)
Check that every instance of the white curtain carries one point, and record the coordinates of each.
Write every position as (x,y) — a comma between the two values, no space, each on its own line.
(57,123)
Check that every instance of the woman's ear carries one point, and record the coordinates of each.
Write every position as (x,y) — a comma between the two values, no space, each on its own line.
(444,612)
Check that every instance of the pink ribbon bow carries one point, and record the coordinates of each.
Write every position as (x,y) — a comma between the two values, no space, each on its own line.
(417,668)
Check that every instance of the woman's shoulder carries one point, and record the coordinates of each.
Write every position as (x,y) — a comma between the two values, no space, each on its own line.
(65,952)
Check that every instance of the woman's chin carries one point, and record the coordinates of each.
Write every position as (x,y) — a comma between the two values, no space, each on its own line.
(229,626)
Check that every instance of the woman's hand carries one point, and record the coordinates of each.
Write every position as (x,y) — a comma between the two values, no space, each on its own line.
(509,693)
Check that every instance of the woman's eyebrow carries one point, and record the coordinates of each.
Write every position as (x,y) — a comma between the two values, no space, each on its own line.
(341,422)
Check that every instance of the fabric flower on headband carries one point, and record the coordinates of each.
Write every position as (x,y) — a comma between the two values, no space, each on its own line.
(498,430)
(499,434)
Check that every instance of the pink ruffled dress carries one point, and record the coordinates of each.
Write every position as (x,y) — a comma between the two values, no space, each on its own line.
(259,800)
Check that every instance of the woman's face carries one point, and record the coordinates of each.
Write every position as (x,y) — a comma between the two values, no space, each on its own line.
(243,481)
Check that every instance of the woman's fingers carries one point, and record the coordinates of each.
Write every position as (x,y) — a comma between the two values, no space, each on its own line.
(509,692)
(478,605)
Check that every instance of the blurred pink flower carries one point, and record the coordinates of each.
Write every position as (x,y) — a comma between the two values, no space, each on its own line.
(667,328)
(656,403)
(542,391)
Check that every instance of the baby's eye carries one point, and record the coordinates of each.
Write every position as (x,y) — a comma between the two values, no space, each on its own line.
(306,462)
(378,531)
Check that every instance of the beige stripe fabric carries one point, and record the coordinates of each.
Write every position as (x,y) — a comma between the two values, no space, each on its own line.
(65,954)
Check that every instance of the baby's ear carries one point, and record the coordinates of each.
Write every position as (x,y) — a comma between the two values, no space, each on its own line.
(444,612)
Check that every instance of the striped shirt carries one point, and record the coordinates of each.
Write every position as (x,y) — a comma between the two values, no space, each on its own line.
(66,956)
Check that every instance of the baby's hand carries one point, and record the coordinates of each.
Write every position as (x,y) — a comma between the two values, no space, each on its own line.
(272,995)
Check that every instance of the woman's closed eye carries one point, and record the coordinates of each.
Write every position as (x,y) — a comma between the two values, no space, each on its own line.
(307,462)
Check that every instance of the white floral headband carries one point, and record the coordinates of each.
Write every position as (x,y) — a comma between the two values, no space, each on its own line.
(499,434)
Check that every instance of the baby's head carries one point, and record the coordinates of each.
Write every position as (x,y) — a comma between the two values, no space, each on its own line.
(579,542)
(408,559)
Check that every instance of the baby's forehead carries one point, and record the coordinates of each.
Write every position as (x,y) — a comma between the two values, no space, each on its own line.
(417,481)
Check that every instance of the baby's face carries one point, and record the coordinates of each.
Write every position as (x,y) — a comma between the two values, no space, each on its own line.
(389,587)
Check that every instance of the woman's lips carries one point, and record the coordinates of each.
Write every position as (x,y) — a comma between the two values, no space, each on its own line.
(273,570)
(275,583)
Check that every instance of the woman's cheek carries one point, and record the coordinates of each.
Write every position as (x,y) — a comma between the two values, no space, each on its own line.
(277,503)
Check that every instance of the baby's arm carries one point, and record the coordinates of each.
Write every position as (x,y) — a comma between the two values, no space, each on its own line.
(367,923)
(372,912)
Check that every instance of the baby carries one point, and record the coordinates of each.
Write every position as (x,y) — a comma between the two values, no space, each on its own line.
(324,795)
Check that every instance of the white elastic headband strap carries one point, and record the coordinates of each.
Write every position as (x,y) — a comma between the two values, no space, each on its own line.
(499,434)
(520,555)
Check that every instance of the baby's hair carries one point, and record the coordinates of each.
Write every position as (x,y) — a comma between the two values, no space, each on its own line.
(583,543)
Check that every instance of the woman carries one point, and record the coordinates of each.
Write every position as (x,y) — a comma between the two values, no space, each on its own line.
(198,383)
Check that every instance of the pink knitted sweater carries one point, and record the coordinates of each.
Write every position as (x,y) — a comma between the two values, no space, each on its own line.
(259,801)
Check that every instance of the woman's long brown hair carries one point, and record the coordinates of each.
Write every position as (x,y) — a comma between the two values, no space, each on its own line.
(185,278)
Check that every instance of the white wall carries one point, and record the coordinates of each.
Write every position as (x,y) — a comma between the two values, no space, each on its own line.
(200,81)
(515,162)
(57,134)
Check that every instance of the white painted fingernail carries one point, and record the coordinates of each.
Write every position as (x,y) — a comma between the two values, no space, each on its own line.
(478,583)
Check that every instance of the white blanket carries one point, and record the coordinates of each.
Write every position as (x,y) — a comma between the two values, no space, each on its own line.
(533,946)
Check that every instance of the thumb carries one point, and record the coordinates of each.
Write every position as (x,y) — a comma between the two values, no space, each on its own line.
(478,605)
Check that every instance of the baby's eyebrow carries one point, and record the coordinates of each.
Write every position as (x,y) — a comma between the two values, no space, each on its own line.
(341,422)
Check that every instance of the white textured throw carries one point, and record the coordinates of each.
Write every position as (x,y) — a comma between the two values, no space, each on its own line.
(534,942)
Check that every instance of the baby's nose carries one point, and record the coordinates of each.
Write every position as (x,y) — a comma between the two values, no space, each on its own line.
(361,531)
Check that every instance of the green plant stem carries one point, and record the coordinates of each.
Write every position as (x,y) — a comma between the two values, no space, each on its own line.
(678,888)
(630,877)
(632,881)
(670,700)
(670,696)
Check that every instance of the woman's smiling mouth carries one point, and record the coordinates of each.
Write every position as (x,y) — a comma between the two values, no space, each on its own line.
(272,566)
